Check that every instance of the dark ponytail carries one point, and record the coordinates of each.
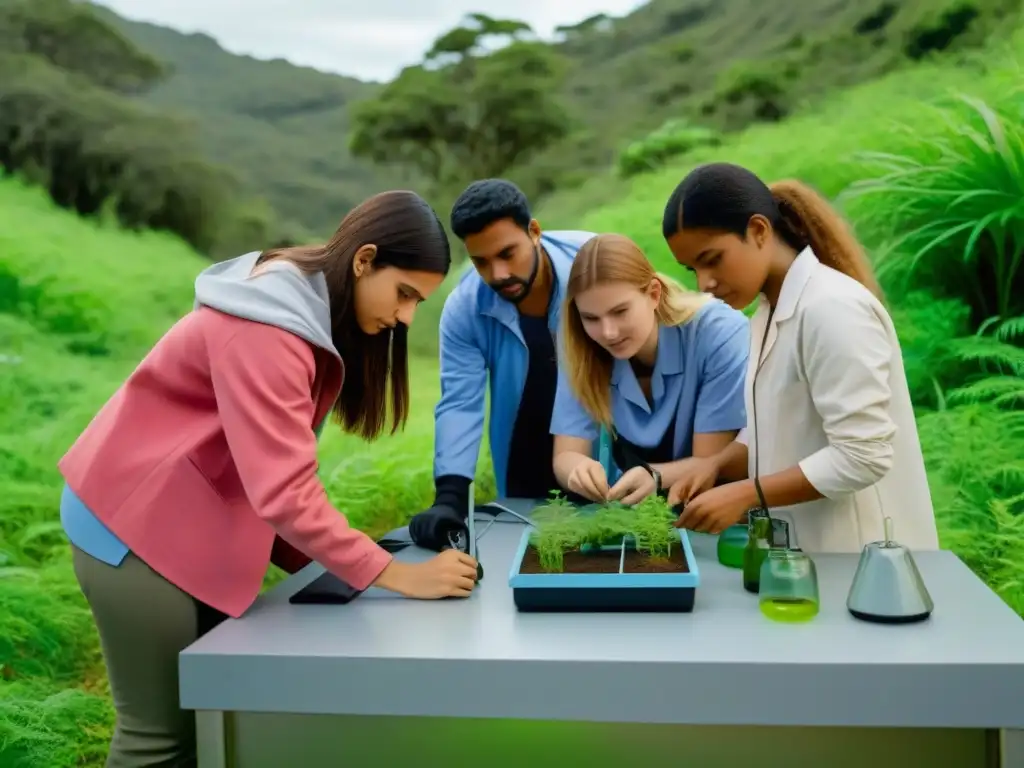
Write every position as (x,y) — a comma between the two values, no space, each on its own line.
(724,197)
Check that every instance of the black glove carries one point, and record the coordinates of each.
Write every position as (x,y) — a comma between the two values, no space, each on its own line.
(436,528)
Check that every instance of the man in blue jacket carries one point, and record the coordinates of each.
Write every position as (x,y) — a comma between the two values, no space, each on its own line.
(501,322)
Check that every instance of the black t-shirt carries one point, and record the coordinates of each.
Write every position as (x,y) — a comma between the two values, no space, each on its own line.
(530,473)
(628,455)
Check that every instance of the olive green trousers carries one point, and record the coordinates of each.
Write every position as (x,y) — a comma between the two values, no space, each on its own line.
(144,622)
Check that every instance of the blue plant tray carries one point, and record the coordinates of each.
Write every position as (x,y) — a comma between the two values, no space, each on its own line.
(618,592)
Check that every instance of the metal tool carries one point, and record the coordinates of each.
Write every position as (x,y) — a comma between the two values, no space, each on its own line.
(457,540)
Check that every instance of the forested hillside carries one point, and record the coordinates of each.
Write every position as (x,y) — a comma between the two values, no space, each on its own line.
(106,135)
(715,65)
(71,121)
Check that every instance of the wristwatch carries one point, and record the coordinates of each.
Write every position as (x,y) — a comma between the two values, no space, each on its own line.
(656,475)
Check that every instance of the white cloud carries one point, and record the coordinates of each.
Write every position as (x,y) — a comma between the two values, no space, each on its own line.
(371,39)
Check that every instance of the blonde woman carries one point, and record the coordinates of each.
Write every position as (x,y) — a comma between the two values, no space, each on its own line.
(660,367)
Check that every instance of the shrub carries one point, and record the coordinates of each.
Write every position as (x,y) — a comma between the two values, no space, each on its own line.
(673,139)
(764,86)
(938,32)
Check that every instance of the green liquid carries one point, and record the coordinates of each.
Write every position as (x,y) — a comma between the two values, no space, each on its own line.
(731,543)
(789,609)
(753,557)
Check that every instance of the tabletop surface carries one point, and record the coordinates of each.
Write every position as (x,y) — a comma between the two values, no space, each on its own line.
(383,654)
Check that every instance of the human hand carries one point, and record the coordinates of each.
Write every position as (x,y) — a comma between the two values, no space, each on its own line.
(698,476)
(634,486)
(715,510)
(589,480)
(449,574)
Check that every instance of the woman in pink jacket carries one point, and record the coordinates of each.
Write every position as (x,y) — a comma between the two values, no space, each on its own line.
(201,469)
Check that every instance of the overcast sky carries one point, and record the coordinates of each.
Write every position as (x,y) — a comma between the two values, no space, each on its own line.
(370,39)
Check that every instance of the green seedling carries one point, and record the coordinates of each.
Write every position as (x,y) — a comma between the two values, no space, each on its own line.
(558,530)
(652,528)
(562,527)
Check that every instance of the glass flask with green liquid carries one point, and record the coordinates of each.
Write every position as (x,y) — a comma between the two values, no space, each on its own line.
(731,544)
(759,542)
(788,586)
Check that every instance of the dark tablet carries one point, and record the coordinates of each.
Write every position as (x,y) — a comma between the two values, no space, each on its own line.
(326,589)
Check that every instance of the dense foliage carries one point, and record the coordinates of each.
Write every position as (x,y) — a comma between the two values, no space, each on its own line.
(928,162)
(67,123)
(284,130)
(466,113)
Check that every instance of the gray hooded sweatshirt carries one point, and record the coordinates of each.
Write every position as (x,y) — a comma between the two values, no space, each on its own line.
(281,295)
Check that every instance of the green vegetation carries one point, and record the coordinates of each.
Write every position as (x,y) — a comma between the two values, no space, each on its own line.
(719,65)
(70,124)
(672,140)
(927,162)
(563,527)
(466,114)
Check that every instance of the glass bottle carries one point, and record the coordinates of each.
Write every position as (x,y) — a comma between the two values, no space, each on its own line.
(731,544)
(759,541)
(789,586)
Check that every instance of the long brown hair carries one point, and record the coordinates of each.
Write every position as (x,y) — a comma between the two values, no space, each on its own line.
(408,235)
(611,258)
(724,197)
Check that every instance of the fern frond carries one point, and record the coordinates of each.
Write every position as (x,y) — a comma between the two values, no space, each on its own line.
(1011,330)
(1000,391)
(990,353)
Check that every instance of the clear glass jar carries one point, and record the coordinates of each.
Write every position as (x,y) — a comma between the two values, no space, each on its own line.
(789,586)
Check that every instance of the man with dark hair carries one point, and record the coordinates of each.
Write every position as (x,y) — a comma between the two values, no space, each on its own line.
(500,321)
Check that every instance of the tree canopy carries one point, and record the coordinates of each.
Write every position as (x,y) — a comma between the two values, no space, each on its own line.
(484,98)
(67,124)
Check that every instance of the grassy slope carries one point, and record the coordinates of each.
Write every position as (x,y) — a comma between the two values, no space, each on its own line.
(64,284)
(70,285)
(679,58)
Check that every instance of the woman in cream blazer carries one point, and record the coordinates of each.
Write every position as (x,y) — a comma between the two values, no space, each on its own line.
(831,443)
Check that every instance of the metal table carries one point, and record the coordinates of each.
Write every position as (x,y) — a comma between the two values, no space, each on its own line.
(386,681)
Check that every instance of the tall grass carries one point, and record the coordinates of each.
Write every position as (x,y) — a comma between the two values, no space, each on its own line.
(947,209)
(79,304)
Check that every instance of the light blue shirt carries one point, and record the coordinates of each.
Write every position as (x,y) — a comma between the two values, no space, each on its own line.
(86,532)
(480,338)
(698,382)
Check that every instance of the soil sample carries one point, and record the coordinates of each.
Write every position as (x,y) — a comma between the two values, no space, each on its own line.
(607,561)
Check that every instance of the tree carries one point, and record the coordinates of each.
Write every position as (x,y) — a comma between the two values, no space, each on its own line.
(70,36)
(471,38)
(67,125)
(466,112)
